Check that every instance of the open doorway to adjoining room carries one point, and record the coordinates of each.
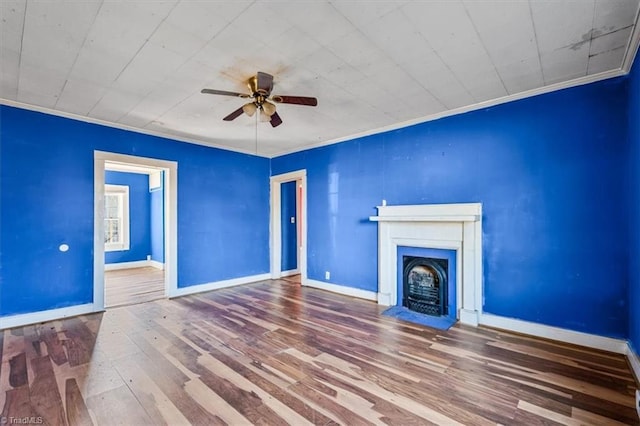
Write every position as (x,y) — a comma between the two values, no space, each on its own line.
(135,229)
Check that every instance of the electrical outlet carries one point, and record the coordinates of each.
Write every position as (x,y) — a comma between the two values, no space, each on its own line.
(327,275)
(638,401)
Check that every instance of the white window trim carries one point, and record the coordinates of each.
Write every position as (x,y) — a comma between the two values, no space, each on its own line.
(124,190)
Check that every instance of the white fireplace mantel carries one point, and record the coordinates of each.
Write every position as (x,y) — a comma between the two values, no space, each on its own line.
(441,226)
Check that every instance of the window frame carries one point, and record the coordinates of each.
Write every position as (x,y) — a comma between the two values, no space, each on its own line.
(122,191)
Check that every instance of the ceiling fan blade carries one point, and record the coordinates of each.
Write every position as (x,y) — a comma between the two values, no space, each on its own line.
(265,83)
(224,92)
(235,114)
(297,100)
(275,120)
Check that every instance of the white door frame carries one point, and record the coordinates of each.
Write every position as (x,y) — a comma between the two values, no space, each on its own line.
(275,230)
(170,219)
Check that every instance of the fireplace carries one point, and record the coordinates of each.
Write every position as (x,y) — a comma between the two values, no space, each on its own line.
(451,227)
(425,285)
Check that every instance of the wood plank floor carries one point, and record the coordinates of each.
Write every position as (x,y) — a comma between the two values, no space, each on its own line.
(277,353)
(131,286)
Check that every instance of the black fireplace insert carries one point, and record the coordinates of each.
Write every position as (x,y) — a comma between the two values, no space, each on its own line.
(424,281)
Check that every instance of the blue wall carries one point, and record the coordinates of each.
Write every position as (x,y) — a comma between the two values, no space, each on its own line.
(139,217)
(550,172)
(634,138)
(289,260)
(157,222)
(46,192)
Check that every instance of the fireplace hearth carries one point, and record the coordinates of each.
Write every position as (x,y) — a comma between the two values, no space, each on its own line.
(425,282)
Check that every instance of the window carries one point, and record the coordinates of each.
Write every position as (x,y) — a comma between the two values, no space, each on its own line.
(116,217)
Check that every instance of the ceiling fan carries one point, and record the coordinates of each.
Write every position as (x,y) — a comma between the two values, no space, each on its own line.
(260,86)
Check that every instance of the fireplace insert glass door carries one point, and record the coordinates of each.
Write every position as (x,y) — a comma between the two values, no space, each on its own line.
(425,285)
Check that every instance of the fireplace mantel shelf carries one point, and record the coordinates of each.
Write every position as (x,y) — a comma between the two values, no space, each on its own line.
(423,218)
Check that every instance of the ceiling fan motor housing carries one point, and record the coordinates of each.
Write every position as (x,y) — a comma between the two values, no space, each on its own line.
(260,84)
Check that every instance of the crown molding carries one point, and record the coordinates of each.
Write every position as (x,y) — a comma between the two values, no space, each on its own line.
(635,41)
(118,126)
(632,48)
(468,108)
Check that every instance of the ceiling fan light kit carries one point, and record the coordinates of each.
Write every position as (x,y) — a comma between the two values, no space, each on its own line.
(260,86)
(268,108)
(249,109)
(264,117)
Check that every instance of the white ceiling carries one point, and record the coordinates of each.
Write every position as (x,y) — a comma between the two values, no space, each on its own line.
(371,64)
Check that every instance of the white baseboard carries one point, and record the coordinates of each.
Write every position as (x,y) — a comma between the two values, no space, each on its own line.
(50,315)
(217,285)
(555,333)
(634,361)
(341,289)
(289,273)
(156,264)
(127,265)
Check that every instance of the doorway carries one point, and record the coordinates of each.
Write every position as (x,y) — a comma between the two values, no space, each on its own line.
(290,196)
(134,234)
(288,254)
(280,219)
(135,229)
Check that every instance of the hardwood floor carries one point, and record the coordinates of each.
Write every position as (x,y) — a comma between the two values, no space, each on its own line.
(276,353)
(131,286)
